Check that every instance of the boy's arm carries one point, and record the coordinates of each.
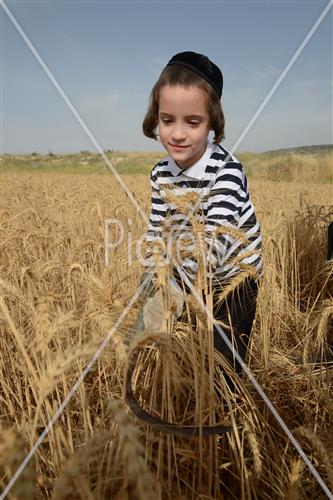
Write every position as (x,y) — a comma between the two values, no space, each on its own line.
(155,235)
(225,203)
(156,230)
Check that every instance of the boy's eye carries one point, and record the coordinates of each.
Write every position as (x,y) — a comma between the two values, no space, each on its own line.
(166,120)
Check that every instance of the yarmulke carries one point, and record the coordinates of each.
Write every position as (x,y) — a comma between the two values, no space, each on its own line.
(201,65)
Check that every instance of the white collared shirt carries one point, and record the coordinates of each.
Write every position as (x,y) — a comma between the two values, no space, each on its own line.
(196,171)
(219,179)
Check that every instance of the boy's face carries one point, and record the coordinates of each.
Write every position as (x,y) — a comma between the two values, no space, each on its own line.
(183,123)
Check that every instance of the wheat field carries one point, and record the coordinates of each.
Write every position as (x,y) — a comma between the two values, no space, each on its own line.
(58,300)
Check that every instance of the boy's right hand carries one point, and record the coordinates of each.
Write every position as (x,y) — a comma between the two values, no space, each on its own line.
(153,309)
(151,312)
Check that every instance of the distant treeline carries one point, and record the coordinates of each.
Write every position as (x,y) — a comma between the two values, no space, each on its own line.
(302,164)
(303,150)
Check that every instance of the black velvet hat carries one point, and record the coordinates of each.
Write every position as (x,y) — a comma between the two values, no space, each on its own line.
(202,66)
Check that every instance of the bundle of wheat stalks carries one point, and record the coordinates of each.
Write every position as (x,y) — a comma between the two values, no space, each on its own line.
(55,312)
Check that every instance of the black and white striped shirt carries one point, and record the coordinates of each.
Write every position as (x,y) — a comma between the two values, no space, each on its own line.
(219,179)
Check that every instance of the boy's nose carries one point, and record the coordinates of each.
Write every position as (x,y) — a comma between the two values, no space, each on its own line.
(178,134)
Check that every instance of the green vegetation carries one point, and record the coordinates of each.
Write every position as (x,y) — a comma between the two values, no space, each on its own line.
(290,165)
(316,150)
(81,163)
(308,163)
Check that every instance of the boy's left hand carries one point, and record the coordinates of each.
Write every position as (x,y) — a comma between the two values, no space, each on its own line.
(153,310)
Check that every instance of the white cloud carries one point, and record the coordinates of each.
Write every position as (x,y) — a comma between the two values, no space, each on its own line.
(262,74)
(303,89)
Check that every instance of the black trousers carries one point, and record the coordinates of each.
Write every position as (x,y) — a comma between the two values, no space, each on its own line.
(237,310)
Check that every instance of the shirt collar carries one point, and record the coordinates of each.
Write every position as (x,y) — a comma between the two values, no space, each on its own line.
(197,170)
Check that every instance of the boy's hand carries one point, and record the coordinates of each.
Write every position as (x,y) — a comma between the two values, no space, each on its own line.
(153,310)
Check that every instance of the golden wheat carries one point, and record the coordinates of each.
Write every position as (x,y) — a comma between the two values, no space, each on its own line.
(58,301)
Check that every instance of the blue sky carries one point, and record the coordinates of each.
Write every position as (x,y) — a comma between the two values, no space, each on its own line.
(107,55)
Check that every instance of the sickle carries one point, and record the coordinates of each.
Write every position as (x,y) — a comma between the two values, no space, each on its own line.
(159,424)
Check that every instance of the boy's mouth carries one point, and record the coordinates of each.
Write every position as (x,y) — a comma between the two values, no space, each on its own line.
(175,146)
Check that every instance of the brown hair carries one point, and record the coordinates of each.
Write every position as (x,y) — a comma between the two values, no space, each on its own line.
(180,75)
